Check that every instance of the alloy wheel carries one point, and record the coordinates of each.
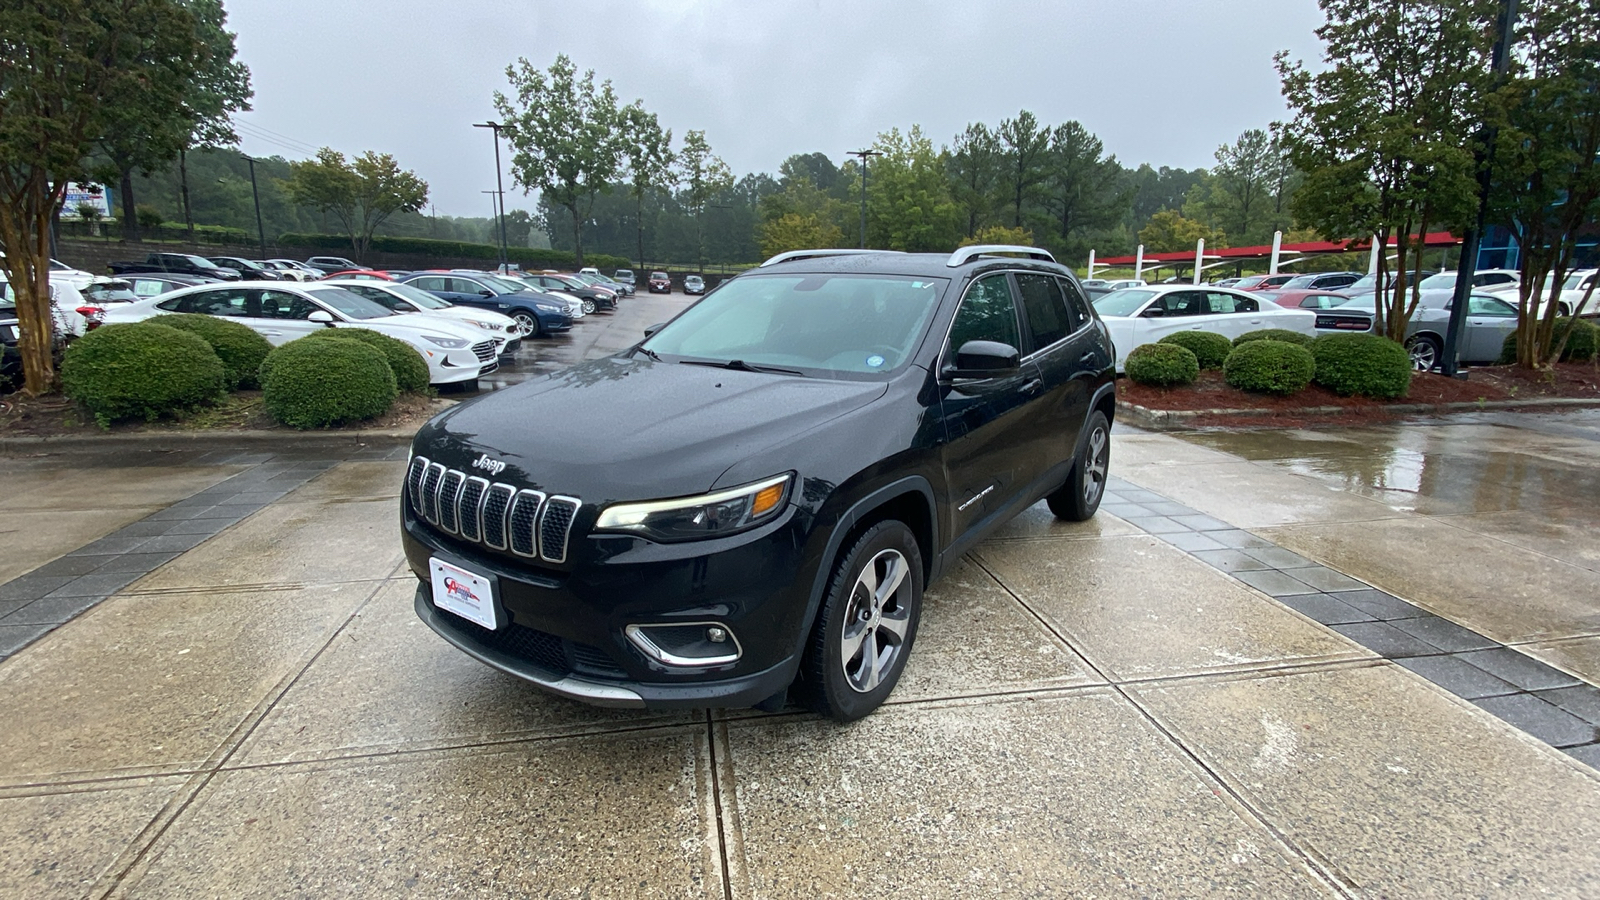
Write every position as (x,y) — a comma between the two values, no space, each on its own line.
(1097,459)
(876,620)
(526,322)
(1424,355)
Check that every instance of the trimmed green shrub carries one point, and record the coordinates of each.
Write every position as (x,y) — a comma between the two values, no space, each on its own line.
(1365,365)
(312,384)
(1209,348)
(1582,345)
(1269,367)
(1273,334)
(140,370)
(240,349)
(410,369)
(1162,365)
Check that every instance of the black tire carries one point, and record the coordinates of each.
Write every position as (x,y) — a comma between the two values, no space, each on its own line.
(529,322)
(1079,498)
(1425,352)
(845,689)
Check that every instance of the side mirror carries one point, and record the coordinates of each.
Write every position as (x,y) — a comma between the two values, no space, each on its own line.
(321,317)
(984,359)
(1154,312)
(485,292)
(654,328)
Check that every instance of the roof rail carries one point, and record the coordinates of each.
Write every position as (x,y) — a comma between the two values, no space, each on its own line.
(791,255)
(967,254)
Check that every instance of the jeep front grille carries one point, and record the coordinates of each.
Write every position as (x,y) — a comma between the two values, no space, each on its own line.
(527,522)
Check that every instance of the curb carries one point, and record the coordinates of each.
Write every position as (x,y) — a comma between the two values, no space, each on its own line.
(195,440)
(1163,419)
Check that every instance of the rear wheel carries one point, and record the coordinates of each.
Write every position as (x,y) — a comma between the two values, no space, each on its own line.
(866,626)
(1079,498)
(1425,352)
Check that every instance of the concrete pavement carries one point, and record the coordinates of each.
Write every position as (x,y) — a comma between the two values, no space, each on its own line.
(1199,693)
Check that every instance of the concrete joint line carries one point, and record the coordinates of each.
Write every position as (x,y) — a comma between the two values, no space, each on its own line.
(717,732)
(1317,866)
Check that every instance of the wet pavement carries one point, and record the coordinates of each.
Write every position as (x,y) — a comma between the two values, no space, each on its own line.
(1349,663)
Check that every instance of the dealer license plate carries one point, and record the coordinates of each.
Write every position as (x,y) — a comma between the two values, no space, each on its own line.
(465,593)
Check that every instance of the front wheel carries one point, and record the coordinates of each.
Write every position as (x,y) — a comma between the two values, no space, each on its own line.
(1079,498)
(527,322)
(1425,352)
(867,624)
(588,307)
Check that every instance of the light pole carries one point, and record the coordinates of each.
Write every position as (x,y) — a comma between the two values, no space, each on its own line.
(499,188)
(864,155)
(261,233)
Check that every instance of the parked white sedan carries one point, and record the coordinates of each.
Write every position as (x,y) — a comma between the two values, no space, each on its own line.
(1145,315)
(281,311)
(406,299)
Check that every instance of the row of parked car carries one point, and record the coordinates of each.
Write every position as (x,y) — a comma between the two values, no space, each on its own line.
(1325,302)
(462,322)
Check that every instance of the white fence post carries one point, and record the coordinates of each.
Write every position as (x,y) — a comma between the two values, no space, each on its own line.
(1091,265)
(1138,264)
(1199,257)
(1277,248)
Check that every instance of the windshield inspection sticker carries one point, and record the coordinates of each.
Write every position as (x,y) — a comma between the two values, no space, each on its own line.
(875,361)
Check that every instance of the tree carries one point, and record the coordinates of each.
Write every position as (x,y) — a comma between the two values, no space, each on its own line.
(569,137)
(1168,232)
(63,66)
(976,166)
(1547,158)
(796,231)
(1250,172)
(650,161)
(1083,188)
(815,167)
(999,234)
(704,176)
(908,195)
(1385,132)
(221,87)
(360,194)
(1025,144)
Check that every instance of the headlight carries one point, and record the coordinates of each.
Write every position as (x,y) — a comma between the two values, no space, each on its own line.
(448,343)
(488,326)
(706,516)
(547,307)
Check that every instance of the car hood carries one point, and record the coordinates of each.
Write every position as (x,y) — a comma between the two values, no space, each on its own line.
(413,325)
(633,429)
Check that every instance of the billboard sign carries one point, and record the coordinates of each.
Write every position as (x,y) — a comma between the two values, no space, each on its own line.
(81,195)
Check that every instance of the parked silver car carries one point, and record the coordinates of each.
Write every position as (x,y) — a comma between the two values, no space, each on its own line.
(1489,320)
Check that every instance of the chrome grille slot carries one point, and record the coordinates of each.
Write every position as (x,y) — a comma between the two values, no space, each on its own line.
(523,516)
(449,497)
(414,482)
(554,527)
(484,351)
(429,507)
(472,508)
(495,504)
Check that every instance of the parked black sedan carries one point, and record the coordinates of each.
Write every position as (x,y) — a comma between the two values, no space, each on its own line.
(248,270)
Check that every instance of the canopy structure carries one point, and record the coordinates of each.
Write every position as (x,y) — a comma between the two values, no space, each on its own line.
(1276,255)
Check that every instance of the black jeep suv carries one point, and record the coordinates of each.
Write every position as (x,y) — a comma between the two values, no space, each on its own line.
(750,502)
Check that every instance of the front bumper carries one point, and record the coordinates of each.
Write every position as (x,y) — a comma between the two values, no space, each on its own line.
(565,626)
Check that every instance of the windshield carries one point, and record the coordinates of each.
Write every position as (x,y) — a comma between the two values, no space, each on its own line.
(1441,282)
(416,295)
(1299,281)
(846,324)
(1125,302)
(354,306)
(505,285)
(200,262)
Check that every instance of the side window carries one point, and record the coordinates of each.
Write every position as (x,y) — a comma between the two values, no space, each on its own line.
(1045,308)
(146,288)
(1218,302)
(986,314)
(284,305)
(1184,303)
(1077,305)
(465,286)
(225,302)
(1489,306)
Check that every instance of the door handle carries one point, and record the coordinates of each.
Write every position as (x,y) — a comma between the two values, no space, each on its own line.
(1086,358)
(1032,387)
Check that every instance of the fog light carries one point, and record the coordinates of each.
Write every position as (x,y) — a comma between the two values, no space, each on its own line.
(686,644)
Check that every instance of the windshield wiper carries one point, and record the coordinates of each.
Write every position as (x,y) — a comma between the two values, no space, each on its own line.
(740,365)
(648,352)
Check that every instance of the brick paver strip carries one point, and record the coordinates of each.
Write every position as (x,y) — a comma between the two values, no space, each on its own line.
(1543,701)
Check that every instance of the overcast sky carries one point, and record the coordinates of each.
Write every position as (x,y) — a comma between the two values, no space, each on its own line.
(1160,81)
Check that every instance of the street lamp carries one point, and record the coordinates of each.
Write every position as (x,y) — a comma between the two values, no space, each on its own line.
(864,155)
(499,188)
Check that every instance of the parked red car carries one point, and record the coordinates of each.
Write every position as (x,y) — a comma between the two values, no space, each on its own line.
(361,275)
(660,283)
(1306,299)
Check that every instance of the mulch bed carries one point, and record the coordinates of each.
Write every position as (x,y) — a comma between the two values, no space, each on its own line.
(1487,383)
(56,416)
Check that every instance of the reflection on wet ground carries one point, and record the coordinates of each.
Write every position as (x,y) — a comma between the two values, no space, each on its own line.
(1533,462)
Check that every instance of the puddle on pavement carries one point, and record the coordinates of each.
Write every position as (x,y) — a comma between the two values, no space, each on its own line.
(1433,470)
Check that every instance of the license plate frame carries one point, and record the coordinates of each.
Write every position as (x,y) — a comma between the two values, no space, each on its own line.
(472,595)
